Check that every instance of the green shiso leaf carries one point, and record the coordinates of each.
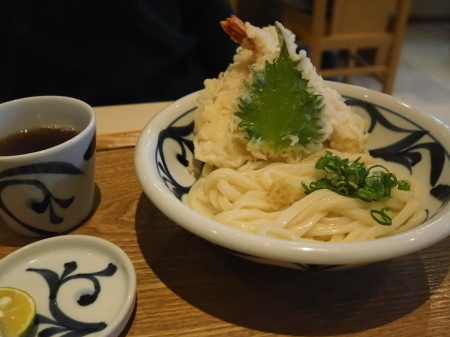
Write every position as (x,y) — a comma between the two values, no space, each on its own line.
(279,106)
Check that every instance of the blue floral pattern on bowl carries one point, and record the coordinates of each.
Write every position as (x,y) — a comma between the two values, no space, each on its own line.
(396,138)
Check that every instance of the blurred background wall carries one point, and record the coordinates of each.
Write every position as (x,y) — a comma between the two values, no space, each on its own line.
(424,10)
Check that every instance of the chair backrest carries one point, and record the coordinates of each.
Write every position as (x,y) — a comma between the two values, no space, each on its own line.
(354,26)
(359,17)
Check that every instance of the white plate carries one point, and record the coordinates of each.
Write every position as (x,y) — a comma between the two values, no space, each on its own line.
(81,284)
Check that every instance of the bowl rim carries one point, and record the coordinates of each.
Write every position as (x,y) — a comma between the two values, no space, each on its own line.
(362,252)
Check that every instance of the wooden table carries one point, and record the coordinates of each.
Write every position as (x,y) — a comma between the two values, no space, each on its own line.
(188,287)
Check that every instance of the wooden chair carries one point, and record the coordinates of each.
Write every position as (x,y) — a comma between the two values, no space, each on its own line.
(369,32)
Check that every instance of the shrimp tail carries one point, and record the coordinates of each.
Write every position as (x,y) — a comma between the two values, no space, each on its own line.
(236,29)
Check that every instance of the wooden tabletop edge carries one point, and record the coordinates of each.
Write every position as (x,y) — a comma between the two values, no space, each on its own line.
(118,140)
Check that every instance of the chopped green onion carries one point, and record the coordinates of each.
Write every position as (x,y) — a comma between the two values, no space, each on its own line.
(404,185)
(355,180)
(375,166)
(365,194)
(383,217)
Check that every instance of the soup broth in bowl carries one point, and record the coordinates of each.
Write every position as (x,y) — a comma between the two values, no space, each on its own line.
(27,141)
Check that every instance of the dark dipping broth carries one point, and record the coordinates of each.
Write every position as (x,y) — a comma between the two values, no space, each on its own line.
(34,140)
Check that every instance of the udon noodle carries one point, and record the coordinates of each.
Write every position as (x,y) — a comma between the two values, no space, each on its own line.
(267,199)
(250,185)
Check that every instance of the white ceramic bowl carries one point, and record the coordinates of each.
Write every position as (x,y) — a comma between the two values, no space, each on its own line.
(416,141)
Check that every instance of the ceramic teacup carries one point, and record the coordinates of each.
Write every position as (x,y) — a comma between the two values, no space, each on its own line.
(49,190)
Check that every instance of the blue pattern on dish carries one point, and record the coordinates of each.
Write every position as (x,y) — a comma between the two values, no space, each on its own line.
(8,178)
(60,322)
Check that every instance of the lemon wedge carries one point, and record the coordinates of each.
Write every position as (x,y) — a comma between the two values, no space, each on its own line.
(17,312)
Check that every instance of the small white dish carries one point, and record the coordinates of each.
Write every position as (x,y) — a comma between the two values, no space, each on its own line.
(82,285)
(401,134)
